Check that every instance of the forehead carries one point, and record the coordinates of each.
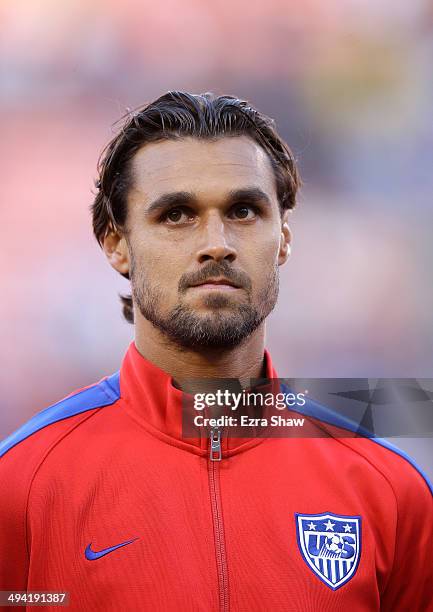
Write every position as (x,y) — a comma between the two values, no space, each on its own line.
(201,166)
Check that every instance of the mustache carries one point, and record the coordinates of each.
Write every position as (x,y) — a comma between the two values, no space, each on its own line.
(212,270)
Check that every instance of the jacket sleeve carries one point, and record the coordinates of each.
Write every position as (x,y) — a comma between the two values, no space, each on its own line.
(13,500)
(410,584)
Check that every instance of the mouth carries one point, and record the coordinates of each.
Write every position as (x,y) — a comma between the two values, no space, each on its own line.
(216,284)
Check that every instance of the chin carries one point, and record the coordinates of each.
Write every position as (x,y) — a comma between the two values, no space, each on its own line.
(218,301)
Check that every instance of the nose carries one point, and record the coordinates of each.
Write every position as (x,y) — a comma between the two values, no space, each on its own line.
(214,242)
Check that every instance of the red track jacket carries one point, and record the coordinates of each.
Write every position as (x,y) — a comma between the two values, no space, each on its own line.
(100,497)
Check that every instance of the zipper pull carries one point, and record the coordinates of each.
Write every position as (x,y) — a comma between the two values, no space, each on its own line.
(215,445)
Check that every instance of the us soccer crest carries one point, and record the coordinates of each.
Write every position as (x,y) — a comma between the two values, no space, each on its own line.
(330,545)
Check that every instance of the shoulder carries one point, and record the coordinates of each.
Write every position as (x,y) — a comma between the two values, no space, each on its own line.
(376,456)
(407,479)
(24,452)
(26,447)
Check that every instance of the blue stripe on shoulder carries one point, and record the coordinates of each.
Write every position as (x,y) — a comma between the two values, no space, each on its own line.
(326,415)
(102,394)
(408,458)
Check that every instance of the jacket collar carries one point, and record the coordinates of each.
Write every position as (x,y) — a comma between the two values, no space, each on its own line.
(154,402)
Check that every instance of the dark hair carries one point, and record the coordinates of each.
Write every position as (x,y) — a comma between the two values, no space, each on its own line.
(174,115)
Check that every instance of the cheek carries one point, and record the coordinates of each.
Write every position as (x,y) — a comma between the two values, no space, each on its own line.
(161,268)
(263,255)
(145,254)
(261,265)
(271,250)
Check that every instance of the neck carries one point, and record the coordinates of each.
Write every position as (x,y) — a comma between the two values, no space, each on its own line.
(244,361)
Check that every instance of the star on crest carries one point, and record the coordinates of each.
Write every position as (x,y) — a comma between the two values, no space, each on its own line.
(329,526)
(347,528)
(311,526)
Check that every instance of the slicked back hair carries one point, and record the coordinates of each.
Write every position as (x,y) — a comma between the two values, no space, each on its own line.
(175,115)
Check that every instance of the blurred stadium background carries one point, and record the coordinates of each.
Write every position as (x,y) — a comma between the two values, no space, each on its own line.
(350,84)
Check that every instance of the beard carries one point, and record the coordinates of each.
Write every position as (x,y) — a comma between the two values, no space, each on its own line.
(227,325)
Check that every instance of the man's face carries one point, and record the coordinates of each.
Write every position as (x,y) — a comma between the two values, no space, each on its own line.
(202,212)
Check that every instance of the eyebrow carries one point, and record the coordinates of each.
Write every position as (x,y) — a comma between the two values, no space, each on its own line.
(185,198)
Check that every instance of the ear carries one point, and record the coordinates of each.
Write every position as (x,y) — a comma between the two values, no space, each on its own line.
(116,250)
(285,239)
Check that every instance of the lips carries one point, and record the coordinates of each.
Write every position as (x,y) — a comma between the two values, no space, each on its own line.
(216,281)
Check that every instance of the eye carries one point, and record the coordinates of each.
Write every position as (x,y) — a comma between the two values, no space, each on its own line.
(177,215)
(245,212)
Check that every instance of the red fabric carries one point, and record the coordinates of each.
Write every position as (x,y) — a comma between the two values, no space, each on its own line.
(211,536)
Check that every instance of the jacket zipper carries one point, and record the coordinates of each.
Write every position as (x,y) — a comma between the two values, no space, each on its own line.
(215,455)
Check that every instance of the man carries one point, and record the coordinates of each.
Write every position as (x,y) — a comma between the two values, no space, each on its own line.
(103,497)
